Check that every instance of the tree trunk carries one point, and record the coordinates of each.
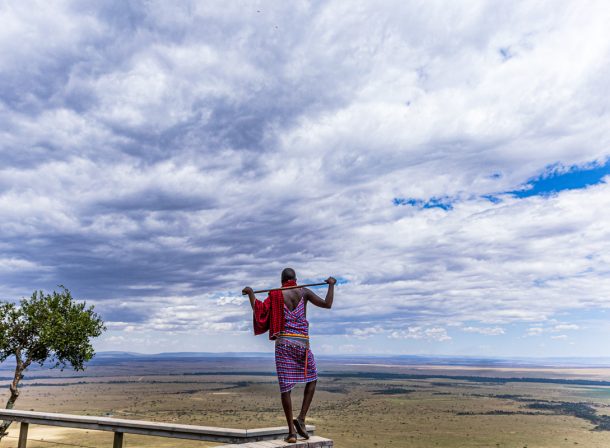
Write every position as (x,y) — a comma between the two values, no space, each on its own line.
(14,388)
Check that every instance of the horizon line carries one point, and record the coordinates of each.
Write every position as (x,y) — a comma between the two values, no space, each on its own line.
(372,355)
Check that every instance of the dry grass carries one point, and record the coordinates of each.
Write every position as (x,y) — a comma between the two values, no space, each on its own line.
(435,413)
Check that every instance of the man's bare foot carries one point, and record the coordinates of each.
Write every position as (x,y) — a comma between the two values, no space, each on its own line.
(291,438)
(299,425)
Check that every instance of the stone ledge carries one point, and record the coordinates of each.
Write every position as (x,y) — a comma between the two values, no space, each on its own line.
(313,442)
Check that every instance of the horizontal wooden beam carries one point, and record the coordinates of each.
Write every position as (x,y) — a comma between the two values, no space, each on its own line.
(176,431)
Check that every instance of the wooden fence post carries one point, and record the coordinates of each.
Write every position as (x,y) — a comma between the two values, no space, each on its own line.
(23,435)
(118,440)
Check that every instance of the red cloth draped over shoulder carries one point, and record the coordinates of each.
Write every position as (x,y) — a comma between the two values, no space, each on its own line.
(269,315)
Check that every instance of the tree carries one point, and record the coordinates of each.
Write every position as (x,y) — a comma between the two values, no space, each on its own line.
(46,328)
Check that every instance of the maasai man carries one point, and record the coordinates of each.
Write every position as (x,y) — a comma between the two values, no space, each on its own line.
(283,314)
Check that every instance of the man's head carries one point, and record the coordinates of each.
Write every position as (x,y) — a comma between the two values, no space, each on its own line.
(288,274)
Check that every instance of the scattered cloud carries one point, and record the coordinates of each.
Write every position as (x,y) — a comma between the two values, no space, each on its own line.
(560,337)
(488,331)
(557,328)
(442,203)
(363,333)
(157,158)
(535,331)
(231,300)
(434,334)
(19,265)
(564,327)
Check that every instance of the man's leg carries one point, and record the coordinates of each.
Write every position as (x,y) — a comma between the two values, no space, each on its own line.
(310,389)
(287,405)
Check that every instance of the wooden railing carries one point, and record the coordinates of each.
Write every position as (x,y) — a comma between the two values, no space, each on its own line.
(120,427)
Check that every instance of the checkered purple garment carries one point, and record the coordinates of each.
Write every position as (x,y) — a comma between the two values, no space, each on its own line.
(290,356)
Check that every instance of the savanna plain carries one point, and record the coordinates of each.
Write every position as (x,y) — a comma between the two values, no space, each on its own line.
(360,403)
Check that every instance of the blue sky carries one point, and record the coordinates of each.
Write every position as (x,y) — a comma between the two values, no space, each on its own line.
(556,179)
(448,161)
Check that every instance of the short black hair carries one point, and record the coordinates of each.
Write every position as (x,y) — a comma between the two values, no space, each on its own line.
(288,274)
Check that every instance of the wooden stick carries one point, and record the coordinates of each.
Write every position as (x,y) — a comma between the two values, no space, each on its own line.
(287,287)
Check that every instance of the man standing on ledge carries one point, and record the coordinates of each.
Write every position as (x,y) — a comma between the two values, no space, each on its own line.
(283,314)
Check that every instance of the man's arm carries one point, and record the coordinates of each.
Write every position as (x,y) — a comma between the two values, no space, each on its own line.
(330,294)
(251,296)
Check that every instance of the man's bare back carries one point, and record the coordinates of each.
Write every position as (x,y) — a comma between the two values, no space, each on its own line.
(292,297)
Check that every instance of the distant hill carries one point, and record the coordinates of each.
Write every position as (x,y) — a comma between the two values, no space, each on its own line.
(173,355)
(437,360)
(119,357)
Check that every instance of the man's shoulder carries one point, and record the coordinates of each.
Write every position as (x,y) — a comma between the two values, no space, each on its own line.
(306,292)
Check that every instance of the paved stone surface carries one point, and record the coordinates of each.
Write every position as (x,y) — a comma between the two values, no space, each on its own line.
(313,442)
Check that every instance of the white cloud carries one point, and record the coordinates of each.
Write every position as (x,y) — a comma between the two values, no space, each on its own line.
(489,331)
(538,330)
(217,144)
(19,265)
(231,300)
(564,327)
(363,333)
(560,337)
(433,334)
(535,331)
